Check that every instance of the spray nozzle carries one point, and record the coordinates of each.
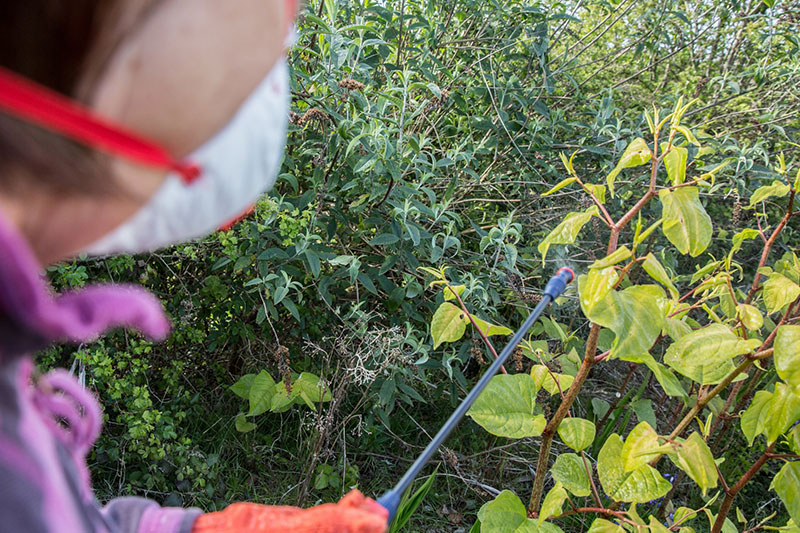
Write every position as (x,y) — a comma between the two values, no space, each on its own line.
(559,282)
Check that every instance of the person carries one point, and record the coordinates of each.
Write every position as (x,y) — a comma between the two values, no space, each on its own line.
(125,125)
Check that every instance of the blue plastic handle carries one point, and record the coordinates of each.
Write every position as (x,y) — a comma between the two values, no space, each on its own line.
(554,288)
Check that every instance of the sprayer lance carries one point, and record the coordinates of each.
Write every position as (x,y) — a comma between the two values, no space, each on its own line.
(554,288)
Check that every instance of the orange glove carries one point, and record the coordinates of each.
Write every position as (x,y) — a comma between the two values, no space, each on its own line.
(353,514)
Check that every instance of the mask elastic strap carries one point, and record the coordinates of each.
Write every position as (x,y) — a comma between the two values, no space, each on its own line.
(34,103)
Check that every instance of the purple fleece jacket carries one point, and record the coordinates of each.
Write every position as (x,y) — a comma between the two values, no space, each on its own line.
(48,425)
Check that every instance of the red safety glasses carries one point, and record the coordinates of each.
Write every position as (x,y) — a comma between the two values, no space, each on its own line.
(29,101)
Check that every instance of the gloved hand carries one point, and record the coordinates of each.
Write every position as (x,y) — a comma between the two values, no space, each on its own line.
(353,514)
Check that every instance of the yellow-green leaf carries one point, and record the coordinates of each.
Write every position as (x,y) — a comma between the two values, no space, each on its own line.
(594,286)
(506,407)
(640,447)
(676,328)
(262,389)
(783,411)
(675,161)
(242,424)
(604,526)
(570,471)
(599,191)
(448,324)
(490,329)
(653,267)
(695,458)
(777,189)
(787,484)
(560,185)
(507,514)
(750,316)
(567,230)
(753,419)
(663,375)
(787,354)
(705,354)
(577,433)
(686,223)
(448,293)
(640,485)
(637,153)
(778,292)
(635,315)
(549,380)
(656,526)
(620,254)
(551,506)
(687,133)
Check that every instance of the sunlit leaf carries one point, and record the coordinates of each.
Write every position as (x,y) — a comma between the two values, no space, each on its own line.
(675,161)
(604,526)
(567,230)
(594,286)
(777,190)
(750,316)
(569,470)
(640,447)
(705,354)
(491,329)
(686,223)
(262,389)
(663,375)
(653,267)
(753,419)
(506,407)
(778,292)
(550,381)
(507,514)
(787,484)
(599,191)
(637,153)
(560,185)
(787,354)
(620,254)
(448,324)
(640,485)
(448,293)
(694,457)
(577,433)
(553,501)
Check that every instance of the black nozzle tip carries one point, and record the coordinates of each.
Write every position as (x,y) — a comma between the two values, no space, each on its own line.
(567,271)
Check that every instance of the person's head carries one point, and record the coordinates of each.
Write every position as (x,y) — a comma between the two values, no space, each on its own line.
(175,71)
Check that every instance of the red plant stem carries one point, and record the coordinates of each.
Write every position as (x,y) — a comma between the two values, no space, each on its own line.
(768,247)
(731,494)
(475,325)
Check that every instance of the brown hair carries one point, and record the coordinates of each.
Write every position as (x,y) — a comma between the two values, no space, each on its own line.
(63,45)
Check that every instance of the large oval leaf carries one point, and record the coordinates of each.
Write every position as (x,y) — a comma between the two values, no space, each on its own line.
(640,485)
(577,433)
(567,230)
(787,484)
(787,354)
(778,292)
(505,408)
(604,526)
(695,458)
(448,324)
(640,447)
(570,471)
(507,514)
(262,389)
(705,354)
(675,161)
(686,223)
(636,153)
(594,286)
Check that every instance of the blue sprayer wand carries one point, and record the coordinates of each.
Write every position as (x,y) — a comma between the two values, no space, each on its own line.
(391,499)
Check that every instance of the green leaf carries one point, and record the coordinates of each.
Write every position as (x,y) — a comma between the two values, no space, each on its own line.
(787,354)
(653,267)
(794,440)
(783,411)
(644,411)
(604,526)
(569,470)
(242,387)
(640,485)
(553,501)
(705,354)
(636,153)
(491,329)
(506,407)
(676,328)
(507,514)
(567,230)
(778,292)
(599,191)
(656,526)
(560,185)
(686,133)
(547,379)
(577,433)
(262,389)
(620,254)
(750,316)
(675,161)
(686,223)
(787,484)
(635,315)
(312,387)
(448,324)
(777,189)
(640,447)
(411,502)
(384,239)
(242,424)
(753,419)
(448,294)
(695,458)
(594,286)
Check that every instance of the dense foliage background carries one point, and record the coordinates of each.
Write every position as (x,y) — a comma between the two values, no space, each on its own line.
(423,133)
